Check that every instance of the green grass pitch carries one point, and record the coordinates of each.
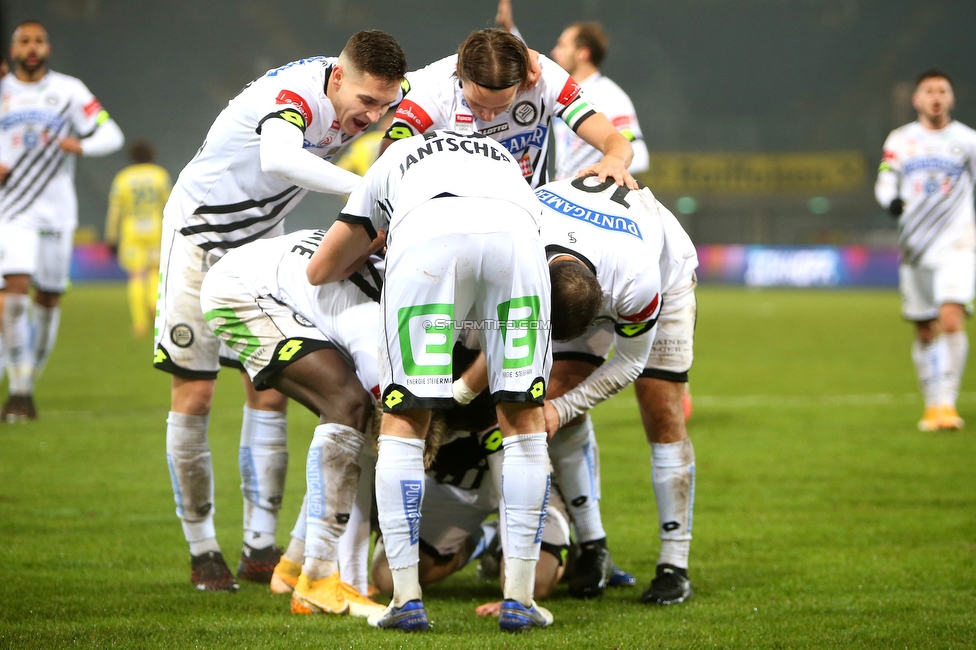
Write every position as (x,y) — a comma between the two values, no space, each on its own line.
(823,518)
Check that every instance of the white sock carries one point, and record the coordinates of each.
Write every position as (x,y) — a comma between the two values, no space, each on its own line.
(525,490)
(16,338)
(301,525)
(673,476)
(3,357)
(354,542)
(574,461)
(263,461)
(957,350)
(46,323)
(332,476)
(929,361)
(295,551)
(399,496)
(315,568)
(191,472)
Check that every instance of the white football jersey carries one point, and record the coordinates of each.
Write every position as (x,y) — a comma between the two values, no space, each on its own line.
(438,163)
(573,153)
(225,199)
(435,101)
(632,243)
(34,116)
(932,172)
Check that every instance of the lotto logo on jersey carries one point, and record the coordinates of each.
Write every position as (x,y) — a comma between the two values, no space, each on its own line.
(569,92)
(294,99)
(92,107)
(413,115)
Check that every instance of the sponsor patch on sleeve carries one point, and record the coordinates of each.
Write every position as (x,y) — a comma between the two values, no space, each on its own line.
(413,115)
(298,103)
(646,312)
(569,92)
(92,107)
(621,122)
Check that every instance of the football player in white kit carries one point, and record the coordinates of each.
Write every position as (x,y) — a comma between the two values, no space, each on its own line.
(641,265)
(474,91)
(310,343)
(579,51)
(463,244)
(265,150)
(46,119)
(926,180)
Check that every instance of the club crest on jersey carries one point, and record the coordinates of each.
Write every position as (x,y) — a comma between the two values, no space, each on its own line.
(463,123)
(294,99)
(524,113)
(330,134)
(567,208)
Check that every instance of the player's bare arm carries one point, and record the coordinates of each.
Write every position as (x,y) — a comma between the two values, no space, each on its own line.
(344,244)
(599,132)
(4,172)
(70,144)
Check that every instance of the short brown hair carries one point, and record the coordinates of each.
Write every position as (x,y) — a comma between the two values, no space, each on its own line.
(142,151)
(576,299)
(494,59)
(376,53)
(932,74)
(592,37)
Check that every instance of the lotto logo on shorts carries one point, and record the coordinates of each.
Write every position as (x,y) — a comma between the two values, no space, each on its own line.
(411,492)
(395,398)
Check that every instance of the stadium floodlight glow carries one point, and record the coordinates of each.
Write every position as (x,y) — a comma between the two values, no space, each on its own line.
(687,205)
(818,205)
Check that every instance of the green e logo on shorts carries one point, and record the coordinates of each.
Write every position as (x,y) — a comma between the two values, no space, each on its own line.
(234,332)
(426,334)
(521,316)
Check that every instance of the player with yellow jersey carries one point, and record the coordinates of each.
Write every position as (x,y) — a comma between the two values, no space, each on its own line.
(134,227)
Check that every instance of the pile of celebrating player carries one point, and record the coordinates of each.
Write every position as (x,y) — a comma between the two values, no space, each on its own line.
(451,330)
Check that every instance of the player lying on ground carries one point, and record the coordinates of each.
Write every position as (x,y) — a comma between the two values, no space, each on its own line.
(461,492)
(316,345)
(263,153)
(626,253)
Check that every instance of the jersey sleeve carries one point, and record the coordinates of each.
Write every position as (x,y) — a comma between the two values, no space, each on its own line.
(291,104)
(420,109)
(565,95)
(369,204)
(87,113)
(886,187)
(620,111)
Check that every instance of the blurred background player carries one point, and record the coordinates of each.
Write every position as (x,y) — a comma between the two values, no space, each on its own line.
(4,70)
(133,228)
(263,153)
(926,180)
(579,51)
(46,119)
(475,91)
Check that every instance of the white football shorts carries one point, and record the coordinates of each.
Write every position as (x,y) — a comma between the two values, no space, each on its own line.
(924,289)
(45,255)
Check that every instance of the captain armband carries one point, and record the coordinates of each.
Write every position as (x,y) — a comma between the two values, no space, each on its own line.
(288,114)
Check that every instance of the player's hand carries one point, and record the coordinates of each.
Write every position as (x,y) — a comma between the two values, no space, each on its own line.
(535,70)
(611,167)
(4,172)
(489,609)
(70,144)
(114,249)
(896,208)
(552,419)
(504,18)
